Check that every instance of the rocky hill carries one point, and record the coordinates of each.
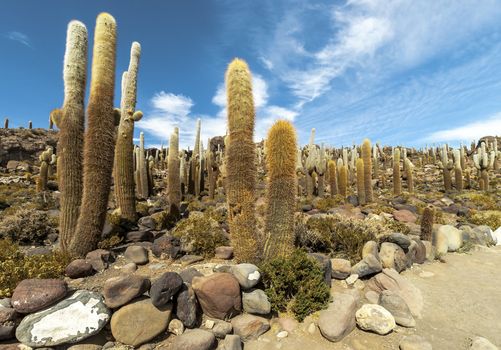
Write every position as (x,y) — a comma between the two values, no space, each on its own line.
(25,144)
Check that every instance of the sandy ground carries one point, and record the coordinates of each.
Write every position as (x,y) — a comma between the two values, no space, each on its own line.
(462,300)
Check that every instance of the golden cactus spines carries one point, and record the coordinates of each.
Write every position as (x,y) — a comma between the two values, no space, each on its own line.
(361,182)
(331,167)
(280,193)
(367,158)
(173,172)
(124,150)
(241,169)
(427,223)
(410,177)
(397,182)
(343,181)
(71,120)
(99,145)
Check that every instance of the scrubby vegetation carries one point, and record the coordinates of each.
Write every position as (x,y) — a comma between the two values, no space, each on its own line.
(491,218)
(27,226)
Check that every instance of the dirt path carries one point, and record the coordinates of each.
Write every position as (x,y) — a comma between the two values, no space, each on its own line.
(462,300)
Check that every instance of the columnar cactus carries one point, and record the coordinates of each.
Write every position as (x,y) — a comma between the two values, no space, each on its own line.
(195,163)
(427,223)
(343,180)
(361,182)
(366,156)
(310,165)
(241,162)
(280,193)
(458,171)
(173,173)
(409,167)
(99,139)
(143,172)
(397,182)
(6,123)
(375,161)
(483,162)
(300,170)
(320,169)
(45,159)
(446,165)
(125,194)
(332,177)
(70,121)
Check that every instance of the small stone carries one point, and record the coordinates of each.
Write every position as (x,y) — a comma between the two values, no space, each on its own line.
(187,306)
(312,328)
(219,295)
(247,275)
(397,307)
(85,347)
(414,342)
(287,324)
(221,329)
(338,320)
(369,265)
(404,215)
(194,339)
(480,343)
(224,252)
(137,254)
(282,334)
(190,259)
(209,324)
(399,239)
(164,288)
(128,268)
(341,268)
(249,326)
(375,318)
(118,291)
(32,295)
(167,246)
(352,279)
(79,268)
(453,235)
(256,302)
(426,274)
(176,327)
(99,259)
(188,274)
(231,342)
(140,236)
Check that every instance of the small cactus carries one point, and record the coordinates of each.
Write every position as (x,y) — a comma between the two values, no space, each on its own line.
(6,123)
(367,159)
(397,182)
(361,182)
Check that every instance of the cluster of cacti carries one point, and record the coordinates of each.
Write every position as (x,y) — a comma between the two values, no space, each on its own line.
(484,161)
(45,161)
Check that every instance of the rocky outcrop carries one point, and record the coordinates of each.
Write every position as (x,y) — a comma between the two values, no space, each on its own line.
(25,145)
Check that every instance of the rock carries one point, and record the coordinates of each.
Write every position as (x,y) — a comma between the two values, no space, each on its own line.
(5,302)
(32,295)
(430,250)
(404,215)
(397,307)
(128,268)
(453,235)
(167,246)
(247,275)
(139,322)
(56,325)
(338,320)
(375,318)
(221,329)
(218,294)
(480,343)
(369,265)
(282,334)
(147,223)
(287,324)
(496,236)
(372,297)
(118,291)
(389,279)
(231,342)
(414,342)
(419,255)
(140,236)
(485,236)
(399,239)
(325,265)
(370,247)
(256,302)
(188,274)
(190,259)
(224,252)
(392,256)
(85,347)
(194,339)
(99,259)
(9,319)
(187,306)
(249,326)
(79,268)
(176,327)
(352,279)
(136,254)
(341,268)
(164,288)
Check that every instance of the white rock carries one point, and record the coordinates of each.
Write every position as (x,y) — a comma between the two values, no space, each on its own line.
(496,236)
(480,343)
(352,279)
(375,318)
(282,334)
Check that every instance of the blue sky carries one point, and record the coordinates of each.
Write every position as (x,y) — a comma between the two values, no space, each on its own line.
(398,72)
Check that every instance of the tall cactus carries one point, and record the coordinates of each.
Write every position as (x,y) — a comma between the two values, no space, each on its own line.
(446,165)
(124,165)
(397,182)
(173,173)
(332,177)
(343,180)
(361,181)
(427,223)
(70,121)
(367,158)
(195,162)
(99,138)
(241,162)
(142,167)
(320,169)
(280,195)
(6,123)
(409,167)
(483,162)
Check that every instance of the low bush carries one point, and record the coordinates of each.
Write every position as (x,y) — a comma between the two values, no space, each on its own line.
(491,218)
(27,226)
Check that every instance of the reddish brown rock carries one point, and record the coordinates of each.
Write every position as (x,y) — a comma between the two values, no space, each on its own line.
(32,295)
(404,215)
(99,259)
(79,268)
(120,290)
(219,295)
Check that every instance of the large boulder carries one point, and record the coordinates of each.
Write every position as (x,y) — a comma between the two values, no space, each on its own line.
(118,291)
(218,294)
(247,275)
(393,256)
(32,295)
(256,302)
(338,320)
(453,235)
(187,306)
(397,307)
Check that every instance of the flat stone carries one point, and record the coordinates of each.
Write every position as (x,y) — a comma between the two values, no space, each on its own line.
(375,318)
(247,275)
(256,302)
(341,268)
(338,320)
(369,265)
(249,326)
(186,260)
(56,325)
(118,291)
(397,307)
(194,339)
(164,288)
(218,294)
(414,342)
(32,295)
(221,329)
(404,215)
(139,322)
(224,252)
(187,306)
(352,279)
(79,268)
(140,236)
(137,254)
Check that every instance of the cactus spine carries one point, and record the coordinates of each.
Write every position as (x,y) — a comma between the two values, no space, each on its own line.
(410,178)
(361,182)
(142,169)
(397,182)
(241,162)
(332,177)
(124,150)
(427,223)
(343,180)
(173,172)
(70,121)
(99,138)
(366,156)
(280,195)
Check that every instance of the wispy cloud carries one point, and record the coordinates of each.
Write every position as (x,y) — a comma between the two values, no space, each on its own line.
(19,37)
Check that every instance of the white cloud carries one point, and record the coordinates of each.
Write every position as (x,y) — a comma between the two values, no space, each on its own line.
(472,131)
(170,103)
(19,37)
(266,62)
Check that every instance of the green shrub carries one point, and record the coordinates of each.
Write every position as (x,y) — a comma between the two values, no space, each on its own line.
(27,226)
(15,266)
(110,242)
(295,284)
(396,226)
(491,218)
